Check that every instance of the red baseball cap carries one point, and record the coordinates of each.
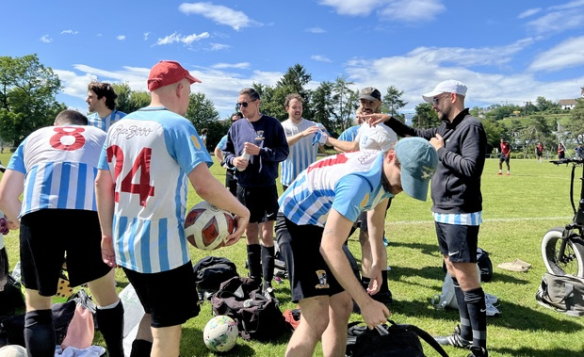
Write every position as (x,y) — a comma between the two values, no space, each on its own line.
(168,72)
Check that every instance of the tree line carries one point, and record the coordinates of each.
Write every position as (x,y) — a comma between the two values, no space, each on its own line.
(28,92)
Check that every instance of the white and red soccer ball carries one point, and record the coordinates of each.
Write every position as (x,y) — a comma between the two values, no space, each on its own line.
(207,227)
(220,333)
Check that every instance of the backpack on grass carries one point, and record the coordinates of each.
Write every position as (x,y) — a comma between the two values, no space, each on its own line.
(563,293)
(258,315)
(210,272)
(394,340)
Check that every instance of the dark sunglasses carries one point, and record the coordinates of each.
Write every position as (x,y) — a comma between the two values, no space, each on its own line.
(436,99)
(244,104)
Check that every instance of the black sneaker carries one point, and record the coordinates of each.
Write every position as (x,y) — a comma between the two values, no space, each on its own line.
(454,340)
(383,297)
(478,352)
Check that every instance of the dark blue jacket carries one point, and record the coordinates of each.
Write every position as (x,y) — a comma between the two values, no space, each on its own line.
(268,134)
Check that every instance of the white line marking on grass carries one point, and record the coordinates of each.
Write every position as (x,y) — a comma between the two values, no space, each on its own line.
(519,219)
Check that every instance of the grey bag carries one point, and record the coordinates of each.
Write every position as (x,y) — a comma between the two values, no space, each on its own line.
(562,293)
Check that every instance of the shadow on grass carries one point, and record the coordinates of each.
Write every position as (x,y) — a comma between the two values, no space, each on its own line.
(513,316)
(429,249)
(192,345)
(531,352)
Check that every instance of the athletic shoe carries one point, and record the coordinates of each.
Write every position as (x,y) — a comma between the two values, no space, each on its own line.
(500,173)
(385,241)
(454,339)
(508,174)
(383,297)
(478,352)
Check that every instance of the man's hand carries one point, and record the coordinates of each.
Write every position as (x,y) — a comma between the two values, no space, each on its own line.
(437,142)
(240,162)
(374,313)
(251,149)
(311,130)
(374,119)
(241,226)
(108,255)
(375,280)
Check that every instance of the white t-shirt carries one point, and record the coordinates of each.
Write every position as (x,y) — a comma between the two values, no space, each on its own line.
(380,137)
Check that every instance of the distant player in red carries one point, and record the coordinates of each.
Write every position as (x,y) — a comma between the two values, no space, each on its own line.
(561,152)
(539,151)
(505,156)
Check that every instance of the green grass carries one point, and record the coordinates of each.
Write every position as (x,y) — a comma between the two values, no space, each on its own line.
(518,210)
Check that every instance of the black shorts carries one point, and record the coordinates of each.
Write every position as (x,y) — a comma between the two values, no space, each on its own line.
(458,242)
(231,182)
(262,202)
(538,153)
(309,273)
(361,221)
(504,158)
(44,244)
(170,296)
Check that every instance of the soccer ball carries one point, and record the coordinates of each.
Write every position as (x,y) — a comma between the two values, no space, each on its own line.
(207,227)
(13,351)
(220,333)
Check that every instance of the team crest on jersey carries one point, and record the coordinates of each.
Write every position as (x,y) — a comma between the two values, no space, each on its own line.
(196,142)
(260,135)
(322,284)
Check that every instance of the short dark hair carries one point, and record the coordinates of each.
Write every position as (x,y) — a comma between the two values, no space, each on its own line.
(71,117)
(237,114)
(252,93)
(103,89)
(292,96)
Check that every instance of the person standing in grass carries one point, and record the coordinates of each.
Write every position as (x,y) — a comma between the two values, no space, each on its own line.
(505,156)
(539,151)
(461,143)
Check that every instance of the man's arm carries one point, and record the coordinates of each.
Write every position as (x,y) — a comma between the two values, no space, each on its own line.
(295,138)
(376,223)
(400,128)
(216,194)
(218,153)
(11,187)
(104,195)
(473,150)
(344,146)
(336,231)
(279,149)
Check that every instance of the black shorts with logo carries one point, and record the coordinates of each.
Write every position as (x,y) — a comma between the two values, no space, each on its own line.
(262,202)
(309,274)
(458,242)
(46,236)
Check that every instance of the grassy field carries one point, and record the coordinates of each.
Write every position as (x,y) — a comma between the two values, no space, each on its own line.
(518,210)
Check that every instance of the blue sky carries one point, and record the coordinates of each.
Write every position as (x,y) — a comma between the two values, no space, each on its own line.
(505,51)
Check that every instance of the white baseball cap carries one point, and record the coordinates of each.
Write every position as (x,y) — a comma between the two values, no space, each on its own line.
(449,86)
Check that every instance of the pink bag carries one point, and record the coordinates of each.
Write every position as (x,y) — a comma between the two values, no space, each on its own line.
(81,329)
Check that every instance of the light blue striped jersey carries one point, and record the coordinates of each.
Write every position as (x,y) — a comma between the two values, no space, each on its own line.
(349,183)
(149,155)
(349,134)
(302,153)
(461,219)
(222,145)
(105,123)
(60,166)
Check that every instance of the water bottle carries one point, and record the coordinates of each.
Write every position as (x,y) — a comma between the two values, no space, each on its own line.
(245,156)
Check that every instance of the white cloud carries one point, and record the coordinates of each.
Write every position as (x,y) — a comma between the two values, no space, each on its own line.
(46,39)
(69,32)
(231,65)
(177,37)
(402,10)
(218,47)
(529,12)
(320,58)
(570,5)
(121,37)
(567,54)
(315,30)
(146,34)
(219,14)
(556,22)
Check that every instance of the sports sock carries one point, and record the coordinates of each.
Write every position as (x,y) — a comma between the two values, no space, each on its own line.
(477,310)
(111,325)
(465,326)
(141,348)
(39,333)
(254,252)
(268,265)
(384,285)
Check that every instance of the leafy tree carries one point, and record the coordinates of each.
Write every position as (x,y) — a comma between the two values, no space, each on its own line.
(346,102)
(202,113)
(322,106)
(494,131)
(576,124)
(27,97)
(392,101)
(129,101)
(295,79)
(544,104)
(425,117)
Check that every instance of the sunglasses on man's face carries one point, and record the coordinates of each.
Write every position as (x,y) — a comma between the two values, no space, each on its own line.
(436,99)
(244,104)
